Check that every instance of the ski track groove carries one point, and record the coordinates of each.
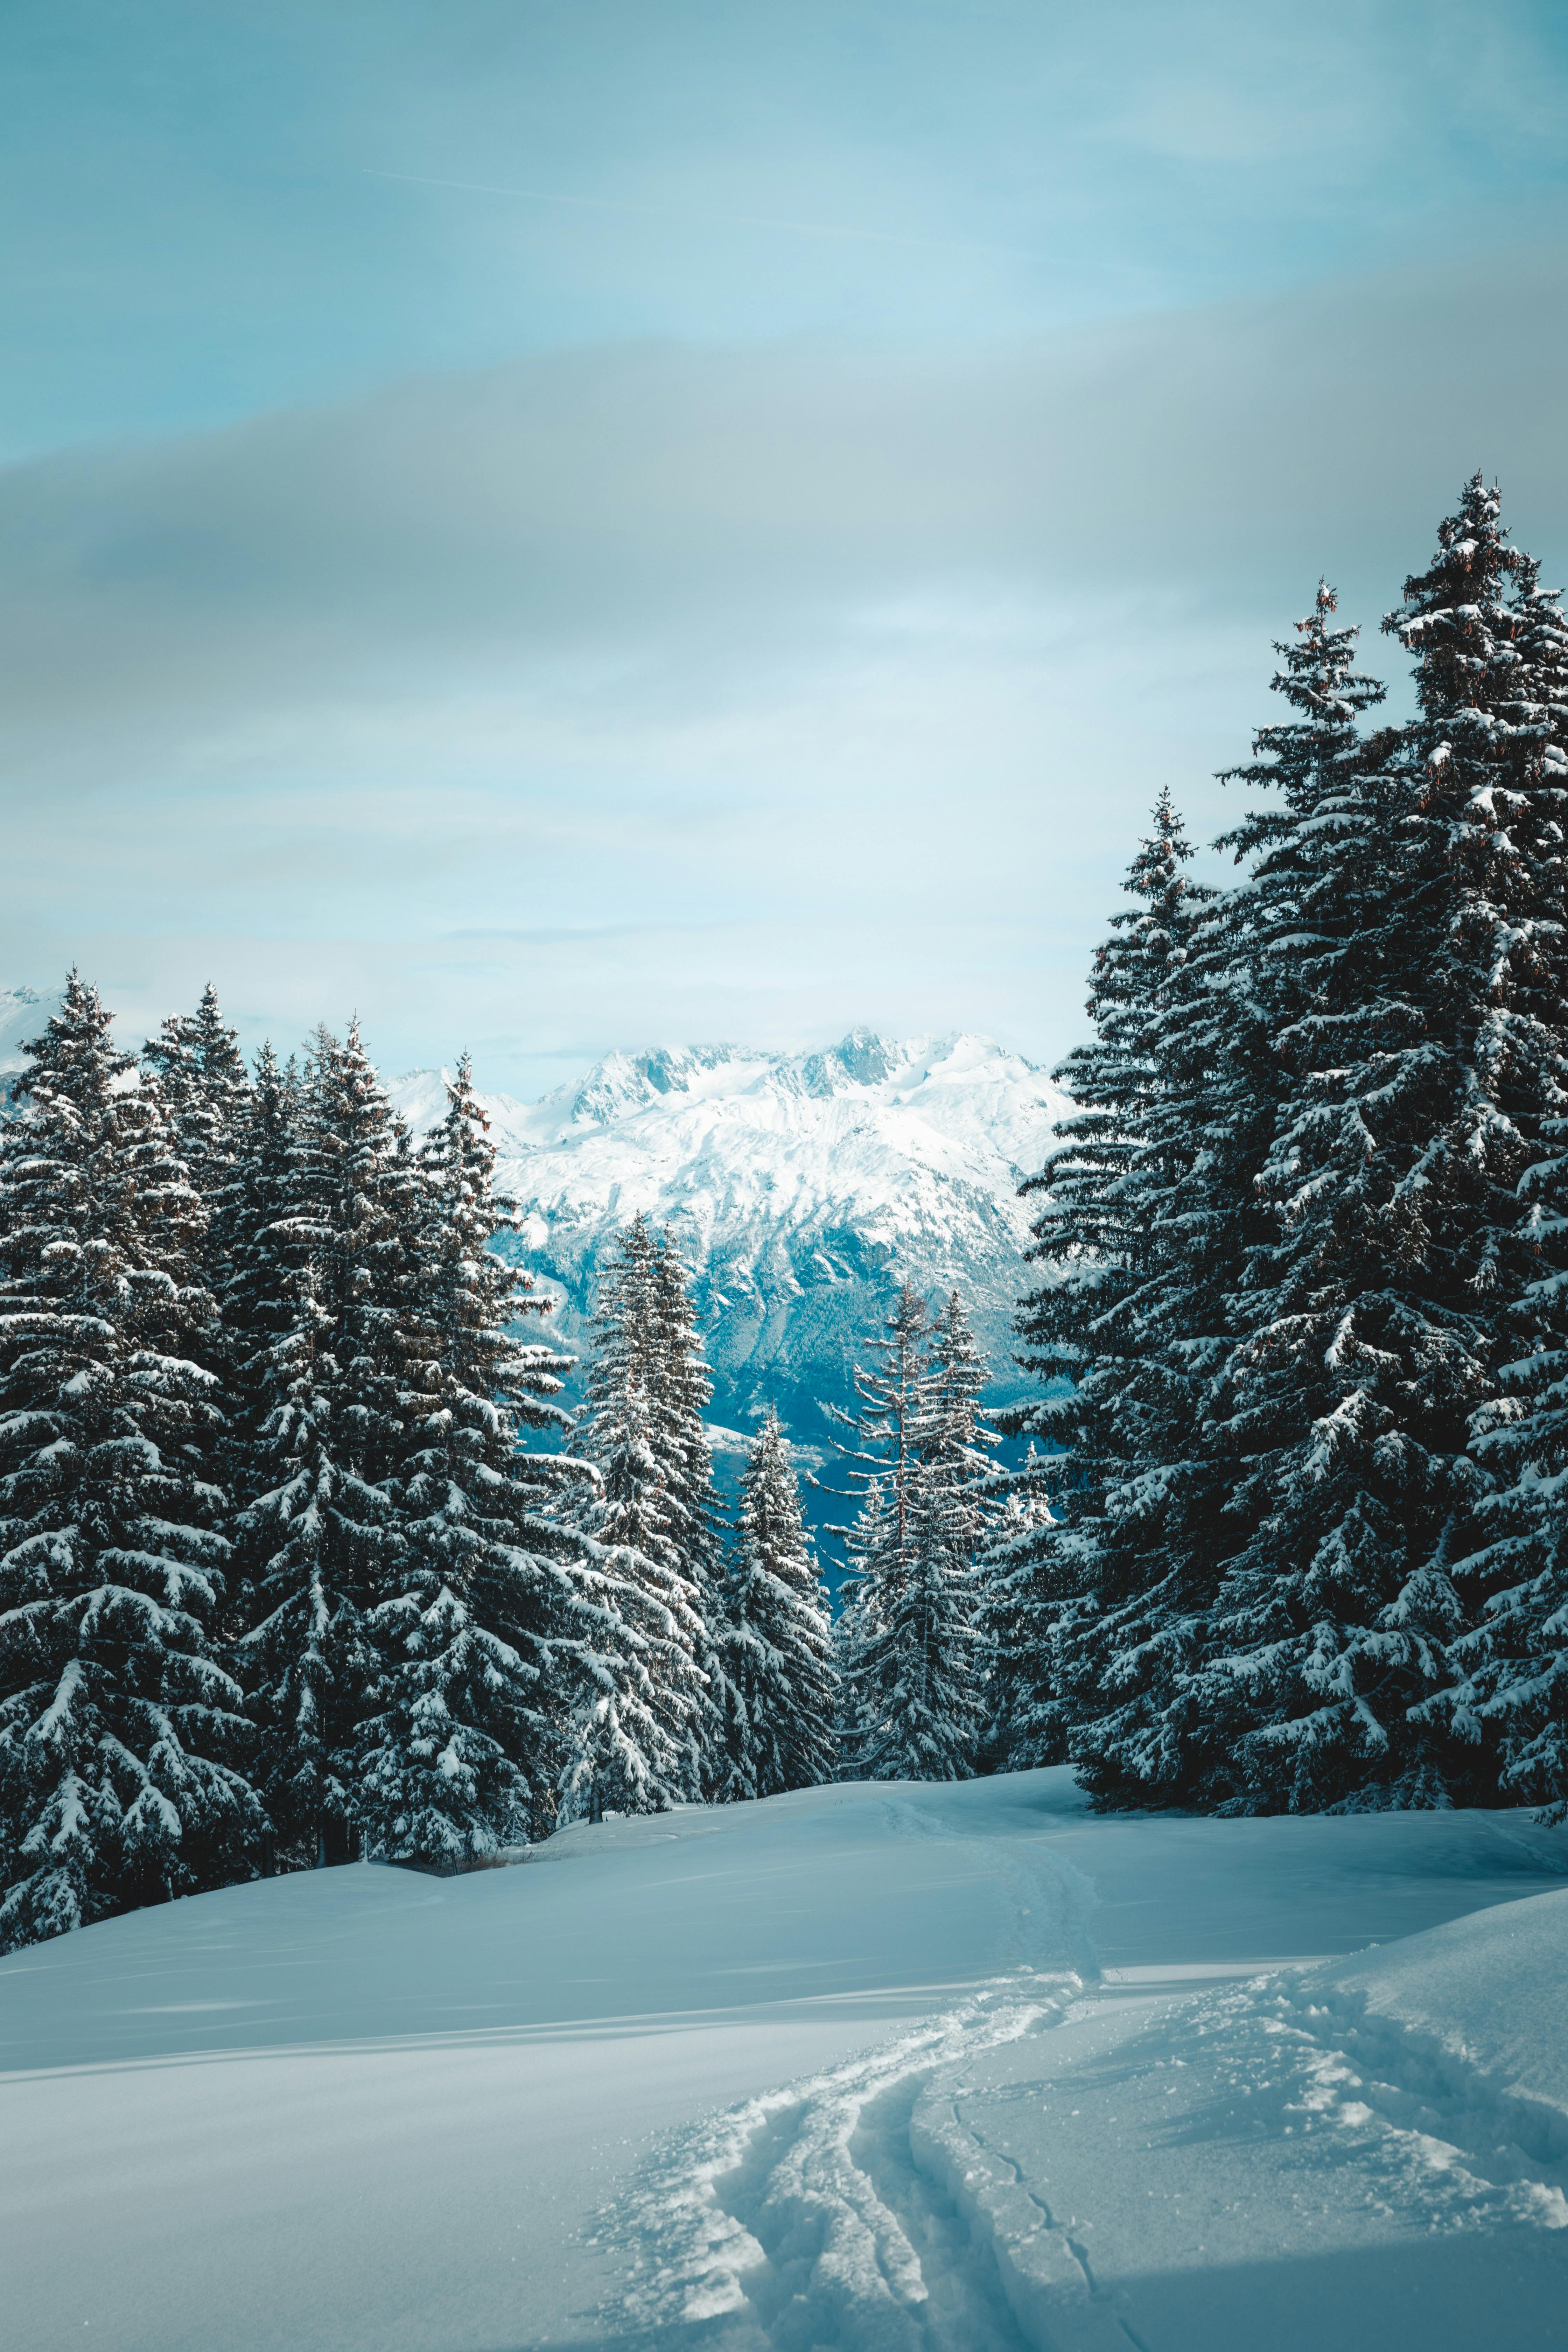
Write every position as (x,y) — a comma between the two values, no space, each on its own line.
(858,2210)
(806,2218)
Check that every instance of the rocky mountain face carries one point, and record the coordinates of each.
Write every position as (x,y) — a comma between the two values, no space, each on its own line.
(801,1190)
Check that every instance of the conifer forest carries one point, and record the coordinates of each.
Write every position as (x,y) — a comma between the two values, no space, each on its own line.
(303,1557)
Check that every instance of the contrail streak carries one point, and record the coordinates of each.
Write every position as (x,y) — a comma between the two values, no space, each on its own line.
(707,220)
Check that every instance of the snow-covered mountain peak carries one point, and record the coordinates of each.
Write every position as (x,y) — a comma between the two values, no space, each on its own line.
(623,1084)
(22,1013)
(860,1059)
(801,1188)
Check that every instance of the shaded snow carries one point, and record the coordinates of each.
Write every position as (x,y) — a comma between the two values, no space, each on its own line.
(952,2069)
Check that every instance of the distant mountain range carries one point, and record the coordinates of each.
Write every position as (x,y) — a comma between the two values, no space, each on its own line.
(801,1190)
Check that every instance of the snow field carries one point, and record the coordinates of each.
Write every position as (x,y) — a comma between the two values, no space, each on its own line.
(877,2068)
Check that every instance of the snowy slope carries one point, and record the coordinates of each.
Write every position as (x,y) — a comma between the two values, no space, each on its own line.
(869,2068)
(801,1188)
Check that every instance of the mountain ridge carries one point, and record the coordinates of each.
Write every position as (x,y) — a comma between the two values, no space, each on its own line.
(800,1188)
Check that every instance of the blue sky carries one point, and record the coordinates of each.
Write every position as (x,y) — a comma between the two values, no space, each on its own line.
(560,526)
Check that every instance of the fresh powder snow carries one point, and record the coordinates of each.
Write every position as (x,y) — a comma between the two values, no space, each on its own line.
(958,2068)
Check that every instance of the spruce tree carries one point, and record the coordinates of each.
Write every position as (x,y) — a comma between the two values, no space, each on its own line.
(958,1433)
(916,1672)
(1492,648)
(324,1540)
(775,1642)
(1025,1722)
(891,1423)
(257,1300)
(683,1390)
(1123,1330)
(203,1083)
(1316,1500)
(121,1734)
(640,1739)
(1425,1047)
(853,1627)
(495,1602)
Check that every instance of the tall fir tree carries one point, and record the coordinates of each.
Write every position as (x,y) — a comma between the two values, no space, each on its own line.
(914,1709)
(204,1085)
(1417,999)
(323,1537)
(495,1601)
(864,1544)
(1122,1331)
(1492,652)
(1020,1615)
(122,1731)
(917,1671)
(774,1642)
(639,1742)
(1326,1623)
(684,1390)
(958,1433)
(259,1299)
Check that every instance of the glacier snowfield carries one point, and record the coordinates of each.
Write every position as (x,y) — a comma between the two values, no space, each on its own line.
(870,2068)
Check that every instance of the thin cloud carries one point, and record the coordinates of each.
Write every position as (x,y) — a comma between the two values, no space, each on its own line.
(710,219)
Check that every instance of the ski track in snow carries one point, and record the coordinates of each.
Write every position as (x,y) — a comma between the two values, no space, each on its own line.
(806,2216)
(863,2209)
(803,2217)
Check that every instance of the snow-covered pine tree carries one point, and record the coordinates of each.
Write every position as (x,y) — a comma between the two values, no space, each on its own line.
(916,1701)
(1019,1610)
(684,1390)
(323,1539)
(500,1606)
(205,1092)
(774,1638)
(122,1732)
(958,1438)
(1425,1056)
(638,1743)
(202,1082)
(1492,648)
(864,1544)
(958,1435)
(257,1300)
(869,1555)
(1325,1624)
(891,1423)
(920,1700)
(1122,1331)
